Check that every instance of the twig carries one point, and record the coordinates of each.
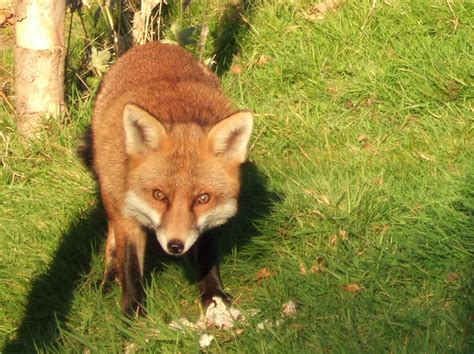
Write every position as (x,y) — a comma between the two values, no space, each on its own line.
(160,19)
(371,12)
(450,7)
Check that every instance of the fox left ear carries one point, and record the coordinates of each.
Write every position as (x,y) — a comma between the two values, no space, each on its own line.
(142,130)
(231,136)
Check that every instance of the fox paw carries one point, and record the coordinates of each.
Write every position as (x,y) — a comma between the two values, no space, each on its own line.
(207,297)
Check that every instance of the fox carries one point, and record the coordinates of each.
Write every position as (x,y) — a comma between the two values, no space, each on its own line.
(166,147)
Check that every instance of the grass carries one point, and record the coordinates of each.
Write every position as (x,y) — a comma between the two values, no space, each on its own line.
(361,165)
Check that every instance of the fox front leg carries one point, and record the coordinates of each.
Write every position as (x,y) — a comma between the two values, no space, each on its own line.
(130,248)
(207,257)
(111,271)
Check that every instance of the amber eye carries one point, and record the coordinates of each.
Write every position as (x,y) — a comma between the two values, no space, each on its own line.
(159,195)
(203,198)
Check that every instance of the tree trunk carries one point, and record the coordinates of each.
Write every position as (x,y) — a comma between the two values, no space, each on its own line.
(39,62)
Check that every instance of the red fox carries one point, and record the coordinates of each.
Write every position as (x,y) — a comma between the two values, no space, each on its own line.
(167,148)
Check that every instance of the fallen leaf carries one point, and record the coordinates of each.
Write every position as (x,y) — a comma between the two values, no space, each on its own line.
(318,11)
(323,199)
(236,69)
(370,147)
(381,228)
(453,276)
(302,268)
(319,266)
(316,269)
(263,273)
(263,59)
(205,340)
(341,235)
(352,288)
(452,90)
(379,181)
(362,139)
(349,104)
(288,309)
(424,156)
(130,348)
(333,240)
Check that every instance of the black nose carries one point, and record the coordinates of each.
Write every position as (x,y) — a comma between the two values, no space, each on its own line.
(175,247)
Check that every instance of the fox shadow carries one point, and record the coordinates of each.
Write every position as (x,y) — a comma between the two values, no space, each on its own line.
(50,298)
(49,302)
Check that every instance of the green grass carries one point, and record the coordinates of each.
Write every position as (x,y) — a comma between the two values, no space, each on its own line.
(363,124)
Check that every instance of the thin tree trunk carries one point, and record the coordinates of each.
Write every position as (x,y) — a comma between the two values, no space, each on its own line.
(39,62)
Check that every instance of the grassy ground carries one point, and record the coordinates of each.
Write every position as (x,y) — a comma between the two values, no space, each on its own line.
(361,174)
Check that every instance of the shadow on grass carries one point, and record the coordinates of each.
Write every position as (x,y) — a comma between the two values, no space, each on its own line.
(232,26)
(466,206)
(51,294)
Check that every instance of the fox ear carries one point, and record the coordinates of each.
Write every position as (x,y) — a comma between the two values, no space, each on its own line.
(231,136)
(142,130)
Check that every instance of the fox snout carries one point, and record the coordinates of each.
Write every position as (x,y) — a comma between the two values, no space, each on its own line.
(176,245)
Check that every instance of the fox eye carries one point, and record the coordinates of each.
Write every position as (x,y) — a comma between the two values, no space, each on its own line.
(203,198)
(159,195)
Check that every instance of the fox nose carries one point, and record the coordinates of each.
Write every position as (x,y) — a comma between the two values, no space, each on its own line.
(175,247)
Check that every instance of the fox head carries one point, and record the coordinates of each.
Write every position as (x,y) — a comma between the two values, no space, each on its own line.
(183,178)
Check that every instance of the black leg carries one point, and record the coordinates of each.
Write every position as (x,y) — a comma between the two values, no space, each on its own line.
(131,282)
(207,257)
(110,275)
(111,272)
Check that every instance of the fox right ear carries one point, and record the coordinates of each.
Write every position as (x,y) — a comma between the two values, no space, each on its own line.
(230,137)
(142,130)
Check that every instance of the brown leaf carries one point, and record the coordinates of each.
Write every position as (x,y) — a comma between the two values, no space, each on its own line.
(236,69)
(263,59)
(379,181)
(333,240)
(341,235)
(363,139)
(318,11)
(369,147)
(303,268)
(381,228)
(352,288)
(318,266)
(263,273)
(288,309)
(349,104)
(453,276)
(320,198)
(424,156)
